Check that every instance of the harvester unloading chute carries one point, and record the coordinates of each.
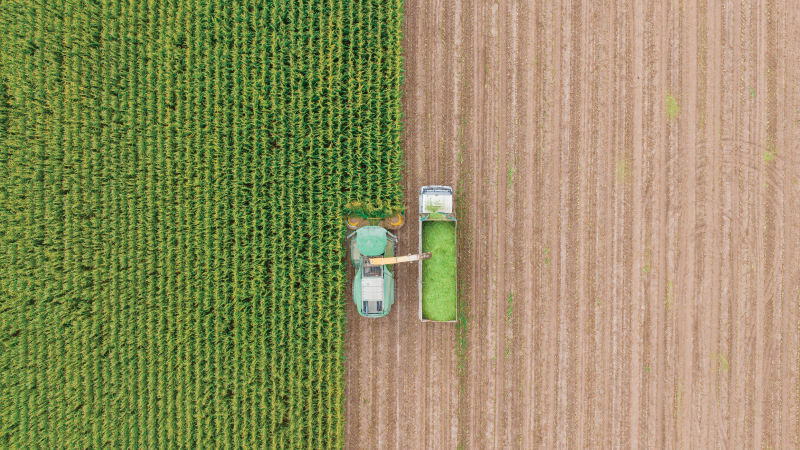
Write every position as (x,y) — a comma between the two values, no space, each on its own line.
(399,259)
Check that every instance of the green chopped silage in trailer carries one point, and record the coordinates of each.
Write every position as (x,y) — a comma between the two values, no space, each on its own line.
(439,272)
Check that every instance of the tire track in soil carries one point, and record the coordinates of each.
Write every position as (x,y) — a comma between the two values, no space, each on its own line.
(453,119)
(776,221)
(511,252)
(789,318)
(481,342)
(476,210)
(528,175)
(762,209)
(675,178)
(570,135)
(467,209)
(492,142)
(478,216)
(532,169)
(732,225)
(738,315)
(771,158)
(651,136)
(622,235)
(600,139)
(637,303)
(570,324)
(585,218)
(751,217)
(714,228)
(608,229)
(553,219)
(687,257)
(486,305)
(542,396)
(352,363)
(499,219)
(660,222)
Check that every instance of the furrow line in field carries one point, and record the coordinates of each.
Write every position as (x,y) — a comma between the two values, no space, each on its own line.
(661,230)
(593,140)
(478,217)
(789,313)
(752,217)
(527,169)
(554,192)
(497,146)
(606,195)
(565,249)
(687,259)
(626,179)
(585,215)
(736,409)
(714,225)
(638,242)
(676,178)
(762,221)
(727,127)
(770,30)
(650,165)
(515,251)
(776,246)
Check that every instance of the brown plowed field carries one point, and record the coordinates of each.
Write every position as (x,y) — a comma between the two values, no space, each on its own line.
(629,266)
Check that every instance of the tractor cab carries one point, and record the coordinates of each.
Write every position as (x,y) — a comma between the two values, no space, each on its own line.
(373,285)
(372,297)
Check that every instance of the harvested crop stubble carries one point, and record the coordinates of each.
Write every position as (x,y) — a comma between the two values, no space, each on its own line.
(439,272)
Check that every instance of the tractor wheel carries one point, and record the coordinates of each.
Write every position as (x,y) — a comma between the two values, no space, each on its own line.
(355,221)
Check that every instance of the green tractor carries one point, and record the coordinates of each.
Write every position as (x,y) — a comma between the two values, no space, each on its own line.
(372,253)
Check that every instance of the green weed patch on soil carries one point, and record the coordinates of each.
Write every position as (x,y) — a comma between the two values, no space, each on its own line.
(439,272)
(672,107)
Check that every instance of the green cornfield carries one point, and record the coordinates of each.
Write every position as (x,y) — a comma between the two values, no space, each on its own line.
(172,180)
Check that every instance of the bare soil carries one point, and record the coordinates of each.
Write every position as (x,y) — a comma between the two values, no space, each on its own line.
(629,275)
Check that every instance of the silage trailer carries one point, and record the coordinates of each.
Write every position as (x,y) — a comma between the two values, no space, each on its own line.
(438,280)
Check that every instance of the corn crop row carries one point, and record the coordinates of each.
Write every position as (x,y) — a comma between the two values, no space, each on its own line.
(173,176)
